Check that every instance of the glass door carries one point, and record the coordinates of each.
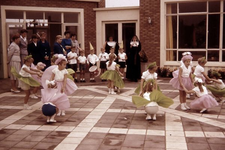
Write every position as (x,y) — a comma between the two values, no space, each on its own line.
(12,29)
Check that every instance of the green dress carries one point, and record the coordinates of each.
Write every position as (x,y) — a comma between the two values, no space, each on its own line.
(70,71)
(28,80)
(215,91)
(114,76)
(155,96)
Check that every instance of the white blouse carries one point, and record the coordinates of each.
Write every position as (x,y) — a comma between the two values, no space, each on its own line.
(219,86)
(199,93)
(24,73)
(112,67)
(59,74)
(186,71)
(147,75)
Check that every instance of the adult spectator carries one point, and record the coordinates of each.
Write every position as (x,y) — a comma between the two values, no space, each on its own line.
(111,44)
(14,60)
(75,43)
(66,43)
(33,49)
(45,50)
(133,61)
(23,44)
(58,49)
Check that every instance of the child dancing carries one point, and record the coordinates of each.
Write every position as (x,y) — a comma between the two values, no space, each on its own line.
(183,80)
(199,70)
(218,90)
(112,75)
(204,100)
(151,99)
(26,80)
(59,86)
(148,76)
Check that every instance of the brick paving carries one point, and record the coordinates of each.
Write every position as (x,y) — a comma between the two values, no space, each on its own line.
(99,121)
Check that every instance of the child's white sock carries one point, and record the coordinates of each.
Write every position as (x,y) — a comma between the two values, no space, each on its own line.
(63,113)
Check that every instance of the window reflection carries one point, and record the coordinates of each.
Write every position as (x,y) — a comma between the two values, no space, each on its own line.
(171,55)
(213,55)
(192,31)
(192,7)
(171,32)
(214,31)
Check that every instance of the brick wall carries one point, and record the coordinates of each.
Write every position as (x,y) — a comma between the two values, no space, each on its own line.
(101,4)
(150,33)
(89,14)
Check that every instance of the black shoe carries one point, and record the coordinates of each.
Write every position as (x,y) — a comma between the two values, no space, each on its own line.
(84,81)
(76,80)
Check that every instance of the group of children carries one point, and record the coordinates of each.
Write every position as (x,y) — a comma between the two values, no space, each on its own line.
(58,82)
(187,83)
(187,80)
(92,59)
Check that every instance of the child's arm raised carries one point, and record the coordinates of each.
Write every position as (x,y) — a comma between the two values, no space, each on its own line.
(32,72)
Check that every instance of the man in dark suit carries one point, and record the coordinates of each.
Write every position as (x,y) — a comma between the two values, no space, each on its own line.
(34,49)
(58,49)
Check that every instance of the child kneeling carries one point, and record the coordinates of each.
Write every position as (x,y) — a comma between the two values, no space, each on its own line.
(49,110)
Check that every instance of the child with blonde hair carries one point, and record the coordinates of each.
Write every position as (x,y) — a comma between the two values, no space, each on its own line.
(112,75)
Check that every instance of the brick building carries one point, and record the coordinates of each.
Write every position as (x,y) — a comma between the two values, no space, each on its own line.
(166,28)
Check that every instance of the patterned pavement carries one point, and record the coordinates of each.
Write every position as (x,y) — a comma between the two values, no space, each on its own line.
(99,121)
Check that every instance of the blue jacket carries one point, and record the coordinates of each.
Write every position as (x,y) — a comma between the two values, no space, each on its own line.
(58,49)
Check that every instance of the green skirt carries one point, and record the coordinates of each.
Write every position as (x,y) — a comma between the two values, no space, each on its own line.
(28,80)
(155,96)
(216,92)
(114,76)
(138,89)
(70,71)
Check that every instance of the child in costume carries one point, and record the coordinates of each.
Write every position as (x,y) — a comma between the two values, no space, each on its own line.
(82,63)
(112,75)
(151,99)
(26,80)
(92,59)
(49,110)
(103,57)
(40,66)
(199,70)
(148,76)
(191,64)
(59,86)
(122,57)
(204,100)
(183,80)
(72,58)
(218,90)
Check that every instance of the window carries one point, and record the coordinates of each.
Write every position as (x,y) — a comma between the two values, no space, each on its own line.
(195,27)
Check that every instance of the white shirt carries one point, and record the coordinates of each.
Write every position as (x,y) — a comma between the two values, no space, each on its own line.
(219,86)
(186,71)
(147,75)
(35,44)
(24,73)
(111,44)
(59,74)
(103,56)
(134,43)
(146,96)
(198,71)
(92,58)
(74,56)
(199,93)
(112,67)
(82,59)
(122,57)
